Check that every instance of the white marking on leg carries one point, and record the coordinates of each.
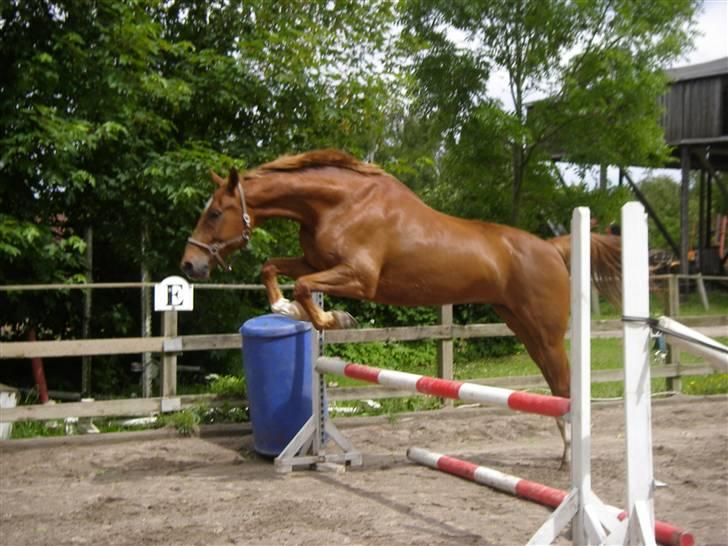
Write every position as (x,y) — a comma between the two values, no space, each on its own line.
(291,309)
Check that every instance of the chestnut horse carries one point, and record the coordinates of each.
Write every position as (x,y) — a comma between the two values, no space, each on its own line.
(366,236)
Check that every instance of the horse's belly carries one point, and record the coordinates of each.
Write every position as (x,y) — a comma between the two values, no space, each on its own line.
(444,285)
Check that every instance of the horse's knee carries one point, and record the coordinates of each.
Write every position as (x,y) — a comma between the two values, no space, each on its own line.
(268,271)
(301,290)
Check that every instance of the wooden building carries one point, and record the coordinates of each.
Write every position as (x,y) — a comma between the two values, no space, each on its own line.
(696,106)
(695,120)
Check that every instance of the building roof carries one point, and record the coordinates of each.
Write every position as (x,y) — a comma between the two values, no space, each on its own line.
(716,67)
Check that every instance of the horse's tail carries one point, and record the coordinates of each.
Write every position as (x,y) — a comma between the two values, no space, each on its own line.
(606,263)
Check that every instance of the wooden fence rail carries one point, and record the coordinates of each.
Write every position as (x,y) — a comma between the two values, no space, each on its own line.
(169,346)
(714,325)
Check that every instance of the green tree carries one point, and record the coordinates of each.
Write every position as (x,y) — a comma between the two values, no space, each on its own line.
(663,194)
(112,111)
(599,62)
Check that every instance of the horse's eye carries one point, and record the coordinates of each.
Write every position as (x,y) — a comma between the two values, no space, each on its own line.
(215,214)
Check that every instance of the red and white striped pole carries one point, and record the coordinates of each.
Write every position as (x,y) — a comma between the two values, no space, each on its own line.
(552,406)
(548,496)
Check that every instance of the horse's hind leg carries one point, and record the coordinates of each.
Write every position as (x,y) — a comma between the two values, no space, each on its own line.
(544,342)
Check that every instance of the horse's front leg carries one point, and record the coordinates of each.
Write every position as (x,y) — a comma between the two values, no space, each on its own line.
(342,281)
(290,267)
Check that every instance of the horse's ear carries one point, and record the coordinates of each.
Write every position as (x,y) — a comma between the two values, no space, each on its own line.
(232,182)
(217,179)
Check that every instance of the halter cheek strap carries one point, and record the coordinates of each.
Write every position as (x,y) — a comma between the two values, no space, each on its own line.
(215,248)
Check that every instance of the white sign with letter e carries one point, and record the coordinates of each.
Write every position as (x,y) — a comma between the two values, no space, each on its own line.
(173,294)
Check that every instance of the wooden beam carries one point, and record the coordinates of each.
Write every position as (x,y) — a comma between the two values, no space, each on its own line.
(684,210)
(168,378)
(445,354)
(80,347)
(108,408)
(406,333)
(145,406)
(652,214)
(341,394)
(214,342)
(718,180)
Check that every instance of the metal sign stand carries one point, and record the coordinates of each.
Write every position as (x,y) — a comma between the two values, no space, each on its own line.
(307,448)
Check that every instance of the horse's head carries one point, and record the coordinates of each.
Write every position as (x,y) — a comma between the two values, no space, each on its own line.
(223,227)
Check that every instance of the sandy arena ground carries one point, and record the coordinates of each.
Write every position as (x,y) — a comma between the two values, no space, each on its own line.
(154,488)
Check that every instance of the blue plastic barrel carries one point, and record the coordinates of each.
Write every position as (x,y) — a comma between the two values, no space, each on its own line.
(277,362)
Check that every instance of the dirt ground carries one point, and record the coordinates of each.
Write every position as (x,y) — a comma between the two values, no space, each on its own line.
(153,488)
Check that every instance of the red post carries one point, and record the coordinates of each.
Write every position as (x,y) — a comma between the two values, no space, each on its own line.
(38,371)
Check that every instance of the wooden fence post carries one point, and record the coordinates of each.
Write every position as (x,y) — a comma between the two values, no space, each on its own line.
(674,384)
(86,361)
(169,356)
(595,309)
(445,367)
(702,292)
(673,301)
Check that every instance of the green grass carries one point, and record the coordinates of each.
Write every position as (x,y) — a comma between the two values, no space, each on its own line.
(690,304)
(31,429)
(186,422)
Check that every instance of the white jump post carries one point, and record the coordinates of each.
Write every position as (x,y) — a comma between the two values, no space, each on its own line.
(637,528)
(582,509)
(593,522)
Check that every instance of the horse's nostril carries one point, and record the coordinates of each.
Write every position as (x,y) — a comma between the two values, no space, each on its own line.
(187,268)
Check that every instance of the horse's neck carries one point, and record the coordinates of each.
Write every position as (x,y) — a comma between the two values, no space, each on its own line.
(297,196)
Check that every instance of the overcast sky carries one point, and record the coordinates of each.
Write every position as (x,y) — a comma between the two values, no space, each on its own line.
(713,27)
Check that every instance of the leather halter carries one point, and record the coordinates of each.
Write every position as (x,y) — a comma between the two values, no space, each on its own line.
(215,248)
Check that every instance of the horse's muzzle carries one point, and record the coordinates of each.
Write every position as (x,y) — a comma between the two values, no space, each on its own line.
(198,270)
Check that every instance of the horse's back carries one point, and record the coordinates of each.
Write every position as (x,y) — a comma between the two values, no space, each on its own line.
(425,257)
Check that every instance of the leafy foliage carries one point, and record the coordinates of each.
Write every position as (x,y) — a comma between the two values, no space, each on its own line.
(597,62)
(663,193)
(112,112)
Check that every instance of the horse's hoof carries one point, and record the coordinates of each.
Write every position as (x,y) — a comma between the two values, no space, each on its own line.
(344,320)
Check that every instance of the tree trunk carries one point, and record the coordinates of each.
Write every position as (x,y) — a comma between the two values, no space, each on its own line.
(86,363)
(146,318)
(518,168)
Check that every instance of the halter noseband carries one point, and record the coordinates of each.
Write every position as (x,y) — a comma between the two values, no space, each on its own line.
(215,248)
